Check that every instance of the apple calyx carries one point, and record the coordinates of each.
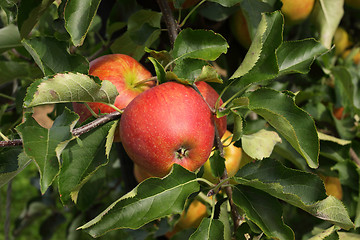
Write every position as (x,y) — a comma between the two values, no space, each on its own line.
(181,153)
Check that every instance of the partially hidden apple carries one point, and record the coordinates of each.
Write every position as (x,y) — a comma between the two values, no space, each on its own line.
(167,124)
(296,11)
(239,29)
(332,186)
(233,159)
(125,73)
(190,218)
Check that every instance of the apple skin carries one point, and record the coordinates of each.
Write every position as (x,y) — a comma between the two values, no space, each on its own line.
(332,186)
(341,40)
(140,174)
(167,124)
(233,159)
(211,96)
(239,29)
(121,70)
(295,11)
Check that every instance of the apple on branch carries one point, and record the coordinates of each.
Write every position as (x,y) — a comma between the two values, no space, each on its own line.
(167,124)
(128,76)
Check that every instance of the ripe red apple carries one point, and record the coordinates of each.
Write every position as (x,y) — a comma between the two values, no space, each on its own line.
(211,96)
(125,73)
(167,124)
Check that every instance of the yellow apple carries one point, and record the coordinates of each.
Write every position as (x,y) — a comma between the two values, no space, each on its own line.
(333,186)
(239,29)
(233,159)
(356,58)
(341,40)
(296,11)
(191,218)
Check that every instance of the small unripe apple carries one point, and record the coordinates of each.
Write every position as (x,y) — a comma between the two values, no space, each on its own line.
(356,58)
(211,96)
(191,218)
(332,186)
(341,40)
(125,73)
(233,159)
(239,29)
(296,11)
(167,124)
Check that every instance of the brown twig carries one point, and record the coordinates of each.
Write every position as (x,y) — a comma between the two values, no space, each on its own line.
(236,217)
(170,22)
(354,157)
(76,132)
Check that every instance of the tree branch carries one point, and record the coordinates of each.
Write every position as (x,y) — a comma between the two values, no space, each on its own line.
(354,157)
(170,22)
(76,132)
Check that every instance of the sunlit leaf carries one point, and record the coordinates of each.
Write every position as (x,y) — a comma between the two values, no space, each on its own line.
(69,87)
(46,52)
(201,44)
(152,199)
(264,210)
(327,16)
(78,17)
(301,189)
(260,145)
(40,144)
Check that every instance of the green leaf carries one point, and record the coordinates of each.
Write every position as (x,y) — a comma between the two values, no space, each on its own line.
(81,162)
(69,87)
(344,86)
(159,69)
(260,62)
(11,70)
(298,56)
(260,145)
(252,11)
(40,144)
(29,14)
(9,38)
(209,229)
(325,233)
(238,126)
(152,199)
(47,51)
(199,44)
(301,189)
(293,123)
(193,70)
(264,210)
(217,163)
(12,162)
(78,17)
(137,38)
(327,16)
(226,3)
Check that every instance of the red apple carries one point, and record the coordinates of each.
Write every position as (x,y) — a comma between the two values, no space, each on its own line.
(167,124)
(125,73)
(211,96)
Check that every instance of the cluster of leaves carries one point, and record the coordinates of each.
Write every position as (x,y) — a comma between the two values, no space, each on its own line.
(279,101)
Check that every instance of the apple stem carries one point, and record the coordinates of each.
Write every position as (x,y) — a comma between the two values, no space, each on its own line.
(146,81)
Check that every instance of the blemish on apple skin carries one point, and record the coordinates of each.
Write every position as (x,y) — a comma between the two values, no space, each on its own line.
(53,93)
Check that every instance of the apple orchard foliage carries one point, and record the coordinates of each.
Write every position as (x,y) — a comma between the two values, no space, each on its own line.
(278,97)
